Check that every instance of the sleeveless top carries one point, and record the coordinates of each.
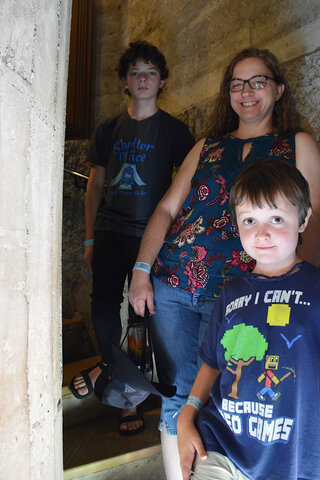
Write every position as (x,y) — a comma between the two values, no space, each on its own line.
(202,249)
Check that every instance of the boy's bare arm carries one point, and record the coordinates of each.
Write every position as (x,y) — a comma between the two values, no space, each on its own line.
(189,440)
(93,196)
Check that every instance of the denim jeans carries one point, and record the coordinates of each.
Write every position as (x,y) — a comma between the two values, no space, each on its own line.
(177,329)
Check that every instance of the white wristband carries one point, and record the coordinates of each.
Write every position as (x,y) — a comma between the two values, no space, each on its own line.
(89,242)
(145,267)
(195,402)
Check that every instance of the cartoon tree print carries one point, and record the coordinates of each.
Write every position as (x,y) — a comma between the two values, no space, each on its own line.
(243,344)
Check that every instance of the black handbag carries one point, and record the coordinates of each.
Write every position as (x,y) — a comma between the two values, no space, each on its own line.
(124,384)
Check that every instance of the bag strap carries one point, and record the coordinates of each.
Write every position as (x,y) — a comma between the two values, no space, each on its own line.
(144,341)
(146,336)
(145,330)
(125,336)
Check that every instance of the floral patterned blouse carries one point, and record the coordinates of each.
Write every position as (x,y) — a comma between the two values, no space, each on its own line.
(202,250)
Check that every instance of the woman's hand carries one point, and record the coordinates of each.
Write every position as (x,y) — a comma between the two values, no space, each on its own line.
(141,292)
(189,444)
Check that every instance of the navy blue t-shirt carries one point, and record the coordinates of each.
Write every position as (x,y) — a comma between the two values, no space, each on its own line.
(139,157)
(264,411)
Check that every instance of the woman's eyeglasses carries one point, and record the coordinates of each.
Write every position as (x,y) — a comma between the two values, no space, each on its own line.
(256,82)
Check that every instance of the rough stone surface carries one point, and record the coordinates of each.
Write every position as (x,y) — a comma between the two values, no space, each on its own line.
(34,43)
(304,77)
(108,42)
(198,39)
(147,469)
(75,275)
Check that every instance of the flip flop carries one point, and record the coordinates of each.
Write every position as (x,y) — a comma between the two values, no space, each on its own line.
(132,418)
(86,378)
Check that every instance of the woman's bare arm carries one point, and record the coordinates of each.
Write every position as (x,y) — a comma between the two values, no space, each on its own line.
(158,226)
(308,162)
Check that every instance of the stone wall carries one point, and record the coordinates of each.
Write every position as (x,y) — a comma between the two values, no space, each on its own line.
(76,280)
(199,38)
(34,47)
(108,40)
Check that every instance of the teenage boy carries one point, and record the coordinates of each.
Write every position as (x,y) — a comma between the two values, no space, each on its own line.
(260,380)
(134,155)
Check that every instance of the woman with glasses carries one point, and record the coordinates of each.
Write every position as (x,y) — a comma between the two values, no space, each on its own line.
(190,239)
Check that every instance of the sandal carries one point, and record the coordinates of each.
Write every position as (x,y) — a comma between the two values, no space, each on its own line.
(87,380)
(132,418)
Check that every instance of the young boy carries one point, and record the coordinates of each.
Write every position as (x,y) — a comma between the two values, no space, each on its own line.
(260,380)
(133,155)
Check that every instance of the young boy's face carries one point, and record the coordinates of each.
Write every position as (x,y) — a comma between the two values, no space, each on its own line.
(143,80)
(270,235)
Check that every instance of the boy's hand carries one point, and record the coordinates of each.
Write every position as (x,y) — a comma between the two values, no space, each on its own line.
(141,292)
(87,257)
(189,443)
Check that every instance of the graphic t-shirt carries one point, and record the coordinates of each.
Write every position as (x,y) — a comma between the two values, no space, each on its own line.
(139,157)
(203,250)
(264,411)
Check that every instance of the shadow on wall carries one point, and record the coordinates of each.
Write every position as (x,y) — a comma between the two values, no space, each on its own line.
(303,77)
(76,280)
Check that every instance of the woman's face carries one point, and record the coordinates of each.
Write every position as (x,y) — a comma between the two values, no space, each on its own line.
(254,106)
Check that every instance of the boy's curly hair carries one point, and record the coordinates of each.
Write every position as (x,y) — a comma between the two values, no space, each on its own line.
(146,52)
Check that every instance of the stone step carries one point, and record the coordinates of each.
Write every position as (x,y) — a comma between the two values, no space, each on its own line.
(76,411)
(93,447)
(146,464)
(78,339)
(96,446)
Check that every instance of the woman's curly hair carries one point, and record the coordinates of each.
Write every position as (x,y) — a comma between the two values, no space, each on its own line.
(285,117)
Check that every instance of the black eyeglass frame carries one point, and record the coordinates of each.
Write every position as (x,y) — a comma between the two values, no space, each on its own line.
(248,82)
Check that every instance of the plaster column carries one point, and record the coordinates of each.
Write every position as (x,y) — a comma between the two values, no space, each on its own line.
(34,47)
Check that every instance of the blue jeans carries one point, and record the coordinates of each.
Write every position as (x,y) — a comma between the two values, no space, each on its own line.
(177,329)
